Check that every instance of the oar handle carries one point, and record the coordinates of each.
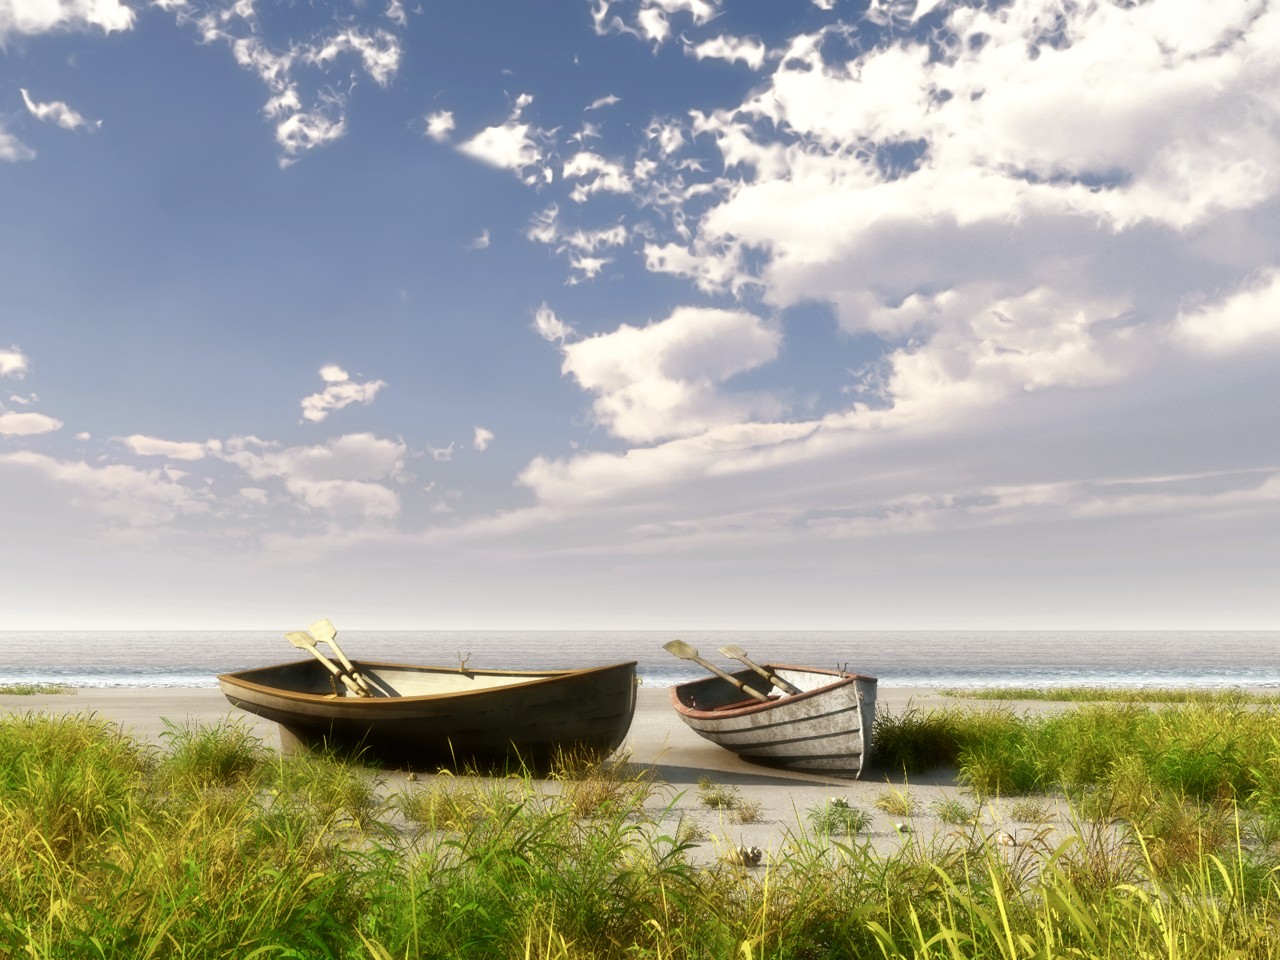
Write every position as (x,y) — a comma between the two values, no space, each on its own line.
(351,667)
(304,642)
(777,681)
(323,632)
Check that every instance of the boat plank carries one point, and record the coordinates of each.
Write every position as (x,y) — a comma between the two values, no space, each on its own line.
(826,728)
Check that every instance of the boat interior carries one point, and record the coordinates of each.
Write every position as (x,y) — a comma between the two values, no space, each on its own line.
(715,693)
(384,680)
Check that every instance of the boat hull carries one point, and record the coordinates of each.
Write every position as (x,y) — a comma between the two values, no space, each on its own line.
(442,716)
(823,730)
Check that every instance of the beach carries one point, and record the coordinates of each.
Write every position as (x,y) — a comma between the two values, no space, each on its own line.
(658,740)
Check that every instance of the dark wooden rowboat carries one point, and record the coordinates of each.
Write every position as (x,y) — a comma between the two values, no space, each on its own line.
(431,716)
(824,729)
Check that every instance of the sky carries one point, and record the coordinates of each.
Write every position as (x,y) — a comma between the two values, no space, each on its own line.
(652,314)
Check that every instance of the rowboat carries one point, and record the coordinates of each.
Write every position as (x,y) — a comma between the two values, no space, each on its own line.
(824,728)
(427,715)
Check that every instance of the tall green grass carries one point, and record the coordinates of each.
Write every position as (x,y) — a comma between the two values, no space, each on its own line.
(1226,696)
(1207,752)
(212,846)
(32,689)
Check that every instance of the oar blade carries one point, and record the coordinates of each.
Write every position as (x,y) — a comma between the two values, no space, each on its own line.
(685,652)
(300,639)
(735,652)
(323,630)
(680,649)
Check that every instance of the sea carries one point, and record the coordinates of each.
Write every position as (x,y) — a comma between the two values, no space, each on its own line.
(934,658)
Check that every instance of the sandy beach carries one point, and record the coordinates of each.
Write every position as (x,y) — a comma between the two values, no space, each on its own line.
(657,739)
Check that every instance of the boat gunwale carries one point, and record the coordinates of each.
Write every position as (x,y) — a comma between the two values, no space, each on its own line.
(842,679)
(535,678)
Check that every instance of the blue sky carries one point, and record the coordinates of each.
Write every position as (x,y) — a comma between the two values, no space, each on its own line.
(640,313)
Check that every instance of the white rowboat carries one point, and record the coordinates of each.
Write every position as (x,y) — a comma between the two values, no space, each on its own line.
(825,729)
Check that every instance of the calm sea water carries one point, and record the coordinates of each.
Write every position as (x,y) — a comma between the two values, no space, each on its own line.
(899,659)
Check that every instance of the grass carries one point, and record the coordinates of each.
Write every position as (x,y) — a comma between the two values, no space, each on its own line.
(719,796)
(210,846)
(31,689)
(956,812)
(897,803)
(1207,751)
(838,818)
(1225,696)
(1030,809)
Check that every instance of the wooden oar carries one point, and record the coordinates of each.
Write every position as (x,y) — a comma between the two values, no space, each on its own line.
(737,653)
(325,632)
(303,640)
(685,652)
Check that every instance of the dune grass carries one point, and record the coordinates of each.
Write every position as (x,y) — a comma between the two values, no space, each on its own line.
(31,689)
(1229,696)
(212,846)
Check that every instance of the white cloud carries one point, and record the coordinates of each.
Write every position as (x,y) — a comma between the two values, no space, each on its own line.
(669,135)
(544,226)
(355,456)
(595,175)
(1028,342)
(42,16)
(747,50)
(340,392)
(13,363)
(586,268)
(441,454)
(13,150)
(338,478)
(514,145)
(967,202)
(662,380)
(440,125)
(299,132)
(589,241)
(579,246)
(379,52)
(173,449)
(649,19)
(1243,319)
(123,494)
(508,145)
(254,495)
(481,242)
(306,113)
(1138,119)
(550,327)
(59,113)
(346,499)
(27,424)
(482,439)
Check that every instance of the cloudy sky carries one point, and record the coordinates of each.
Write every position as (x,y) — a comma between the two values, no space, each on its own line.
(640,313)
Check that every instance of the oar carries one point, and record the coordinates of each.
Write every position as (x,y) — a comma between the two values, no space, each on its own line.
(685,652)
(737,653)
(303,640)
(325,632)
